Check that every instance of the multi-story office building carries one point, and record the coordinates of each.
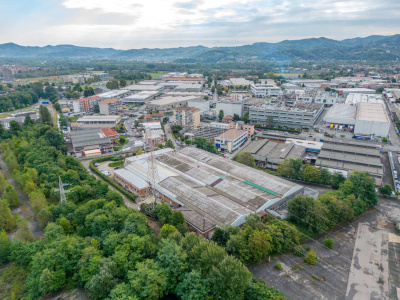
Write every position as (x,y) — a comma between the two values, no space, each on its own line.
(230,140)
(300,117)
(265,90)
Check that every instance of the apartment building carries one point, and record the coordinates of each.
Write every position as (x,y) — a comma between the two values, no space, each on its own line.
(110,106)
(187,116)
(87,105)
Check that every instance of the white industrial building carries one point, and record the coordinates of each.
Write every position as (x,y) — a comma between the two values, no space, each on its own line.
(143,87)
(346,91)
(353,99)
(189,87)
(114,94)
(140,97)
(166,103)
(265,90)
(364,118)
(230,109)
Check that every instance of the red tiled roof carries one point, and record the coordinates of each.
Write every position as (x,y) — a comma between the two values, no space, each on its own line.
(108,131)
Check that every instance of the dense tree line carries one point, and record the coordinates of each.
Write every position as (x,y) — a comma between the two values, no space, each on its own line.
(256,240)
(295,169)
(94,241)
(354,196)
(19,99)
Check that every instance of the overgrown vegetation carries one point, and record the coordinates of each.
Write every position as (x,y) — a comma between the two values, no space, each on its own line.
(295,169)
(94,241)
(354,196)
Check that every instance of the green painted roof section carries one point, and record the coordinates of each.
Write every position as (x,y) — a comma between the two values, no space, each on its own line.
(260,187)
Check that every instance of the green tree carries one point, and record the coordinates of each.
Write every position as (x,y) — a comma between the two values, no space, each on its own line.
(229,279)
(246,158)
(257,290)
(385,190)
(291,168)
(337,179)
(122,83)
(112,84)
(11,195)
(167,230)
(259,245)
(51,281)
(379,90)
(325,176)
(192,287)
(38,201)
(364,187)
(5,247)
(246,117)
(236,117)
(24,233)
(311,174)
(169,144)
(7,221)
(148,281)
(100,285)
(66,226)
(45,116)
(177,218)
(220,115)
(164,213)
(28,121)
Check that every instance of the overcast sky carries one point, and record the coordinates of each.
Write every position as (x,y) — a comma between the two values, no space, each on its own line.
(127,24)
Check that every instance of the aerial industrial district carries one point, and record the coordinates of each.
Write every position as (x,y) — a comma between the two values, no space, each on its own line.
(221,150)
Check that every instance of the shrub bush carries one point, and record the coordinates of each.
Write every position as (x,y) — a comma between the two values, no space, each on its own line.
(311,257)
(328,243)
(298,251)
(278,266)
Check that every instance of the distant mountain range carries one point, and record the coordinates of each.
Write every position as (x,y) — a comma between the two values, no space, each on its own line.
(372,48)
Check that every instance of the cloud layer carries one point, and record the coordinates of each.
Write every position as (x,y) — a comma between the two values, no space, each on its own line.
(127,24)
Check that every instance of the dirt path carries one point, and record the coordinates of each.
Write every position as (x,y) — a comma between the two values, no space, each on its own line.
(24,208)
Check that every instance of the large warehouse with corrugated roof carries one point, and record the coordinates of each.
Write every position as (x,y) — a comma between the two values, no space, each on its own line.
(214,191)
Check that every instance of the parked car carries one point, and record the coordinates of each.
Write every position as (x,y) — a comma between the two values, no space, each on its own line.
(107,173)
(102,171)
(116,168)
(96,164)
(258,129)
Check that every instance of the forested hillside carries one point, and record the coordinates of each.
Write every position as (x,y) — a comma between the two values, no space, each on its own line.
(372,48)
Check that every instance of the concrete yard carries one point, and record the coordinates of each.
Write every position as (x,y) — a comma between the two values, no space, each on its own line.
(366,251)
(368,277)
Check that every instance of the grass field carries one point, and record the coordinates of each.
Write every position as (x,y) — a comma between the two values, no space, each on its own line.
(156,74)
(3,116)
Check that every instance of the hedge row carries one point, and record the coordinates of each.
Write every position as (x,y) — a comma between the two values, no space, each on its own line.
(130,196)
(278,129)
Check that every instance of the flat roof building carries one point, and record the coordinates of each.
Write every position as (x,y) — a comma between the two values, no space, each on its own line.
(90,142)
(270,154)
(300,116)
(143,87)
(167,103)
(230,140)
(140,97)
(110,106)
(348,156)
(265,90)
(194,87)
(363,118)
(112,120)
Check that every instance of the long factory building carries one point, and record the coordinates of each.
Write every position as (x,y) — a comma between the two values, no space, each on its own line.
(209,190)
